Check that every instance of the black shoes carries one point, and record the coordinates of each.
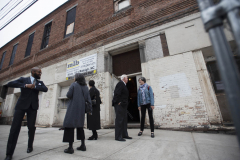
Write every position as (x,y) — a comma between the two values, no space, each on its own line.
(29,150)
(8,157)
(82,148)
(69,150)
(127,137)
(93,137)
(121,139)
(152,135)
(140,133)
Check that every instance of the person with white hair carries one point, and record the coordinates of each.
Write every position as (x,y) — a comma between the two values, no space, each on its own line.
(120,102)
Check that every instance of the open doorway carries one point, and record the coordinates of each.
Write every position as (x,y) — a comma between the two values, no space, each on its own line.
(133,113)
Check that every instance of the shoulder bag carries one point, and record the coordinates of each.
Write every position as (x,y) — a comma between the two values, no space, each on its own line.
(88,107)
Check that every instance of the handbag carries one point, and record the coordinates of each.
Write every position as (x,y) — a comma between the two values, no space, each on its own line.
(88,107)
(94,101)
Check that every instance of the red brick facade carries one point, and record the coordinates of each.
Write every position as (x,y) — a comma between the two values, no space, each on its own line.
(96,24)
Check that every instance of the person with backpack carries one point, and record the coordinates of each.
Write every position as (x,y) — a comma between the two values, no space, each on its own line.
(145,102)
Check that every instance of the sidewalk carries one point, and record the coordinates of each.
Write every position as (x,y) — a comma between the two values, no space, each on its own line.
(167,145)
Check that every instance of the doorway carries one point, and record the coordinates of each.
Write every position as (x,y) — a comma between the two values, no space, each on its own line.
(219,89)
(133,113)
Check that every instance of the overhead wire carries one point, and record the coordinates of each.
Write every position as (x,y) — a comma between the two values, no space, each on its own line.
(18,14)
(5,5)
(11,9)
(8,7)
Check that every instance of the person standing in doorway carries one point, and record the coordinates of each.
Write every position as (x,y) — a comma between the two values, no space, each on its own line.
(145,102)
(27,103)
(120,102)
(93,121)
(78,94)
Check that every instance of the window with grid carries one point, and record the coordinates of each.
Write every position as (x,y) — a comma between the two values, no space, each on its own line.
(121,4)
(2,60)
(29,45)
(46,35)
(13,54)
(69,28)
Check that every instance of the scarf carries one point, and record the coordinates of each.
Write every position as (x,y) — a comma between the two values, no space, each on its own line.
(142,88)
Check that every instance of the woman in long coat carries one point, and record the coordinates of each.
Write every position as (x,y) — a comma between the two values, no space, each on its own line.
(93,121)
(75,115)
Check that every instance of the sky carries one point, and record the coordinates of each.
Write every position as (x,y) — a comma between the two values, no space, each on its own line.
(32,15)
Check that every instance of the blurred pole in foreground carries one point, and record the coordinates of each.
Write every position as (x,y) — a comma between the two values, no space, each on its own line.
(213,17)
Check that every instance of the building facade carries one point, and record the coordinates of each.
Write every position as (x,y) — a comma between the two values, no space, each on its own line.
(162,40)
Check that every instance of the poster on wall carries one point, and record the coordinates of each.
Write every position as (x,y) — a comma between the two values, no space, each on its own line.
(87,66)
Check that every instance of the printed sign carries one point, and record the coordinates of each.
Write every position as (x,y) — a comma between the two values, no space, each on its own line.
(86,66)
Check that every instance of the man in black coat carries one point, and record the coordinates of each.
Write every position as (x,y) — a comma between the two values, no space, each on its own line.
(27,103)
(120,102)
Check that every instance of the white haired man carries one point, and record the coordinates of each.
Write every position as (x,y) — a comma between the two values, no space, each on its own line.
(120,102)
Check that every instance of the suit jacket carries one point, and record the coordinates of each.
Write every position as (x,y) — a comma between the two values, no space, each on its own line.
(28,97)
(120,94)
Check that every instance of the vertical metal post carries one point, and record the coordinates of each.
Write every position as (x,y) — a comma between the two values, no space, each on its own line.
(227,67)
(233,18)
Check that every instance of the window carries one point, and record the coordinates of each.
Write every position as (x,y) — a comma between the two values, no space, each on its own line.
(63,100)
(215,75)
(29,45)
(69,28)
(46,35)
(13,54)
(121,4)
(3,57)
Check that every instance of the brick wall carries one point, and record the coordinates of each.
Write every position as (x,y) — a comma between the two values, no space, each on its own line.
(96,24)
(179,101)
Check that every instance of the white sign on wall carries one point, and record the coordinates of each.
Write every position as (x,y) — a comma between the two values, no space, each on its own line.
(86,66)
(177,84)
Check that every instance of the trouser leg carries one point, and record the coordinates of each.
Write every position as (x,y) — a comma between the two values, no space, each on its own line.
(14,131)
(118,121)
(80,134)
(150,114)
(31,120)
(143,114)
(68,135)
(125,132)
(70,144)
(94,132)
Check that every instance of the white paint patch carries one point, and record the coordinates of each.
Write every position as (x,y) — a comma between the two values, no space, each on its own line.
(161,106)
(180,80)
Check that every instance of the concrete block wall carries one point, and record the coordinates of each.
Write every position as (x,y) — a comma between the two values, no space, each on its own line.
(178,96)
(153,48)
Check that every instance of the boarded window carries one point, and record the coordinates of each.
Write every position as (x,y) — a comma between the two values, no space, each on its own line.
(29,45)
(46,35)
(121,4)
(2,60)
(13,54)
(126,63)
(69,29)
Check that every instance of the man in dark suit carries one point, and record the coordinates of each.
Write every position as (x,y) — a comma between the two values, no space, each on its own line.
(120,102)
(27,103)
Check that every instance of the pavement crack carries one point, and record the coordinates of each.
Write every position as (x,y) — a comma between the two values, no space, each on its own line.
(195,146)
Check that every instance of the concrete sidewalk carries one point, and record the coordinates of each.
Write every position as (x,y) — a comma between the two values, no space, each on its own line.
(167,145)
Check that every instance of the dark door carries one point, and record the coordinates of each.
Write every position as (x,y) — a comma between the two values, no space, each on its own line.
(133,113)
(219,89)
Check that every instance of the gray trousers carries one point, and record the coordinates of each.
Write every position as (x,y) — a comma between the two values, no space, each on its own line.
(121,121)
